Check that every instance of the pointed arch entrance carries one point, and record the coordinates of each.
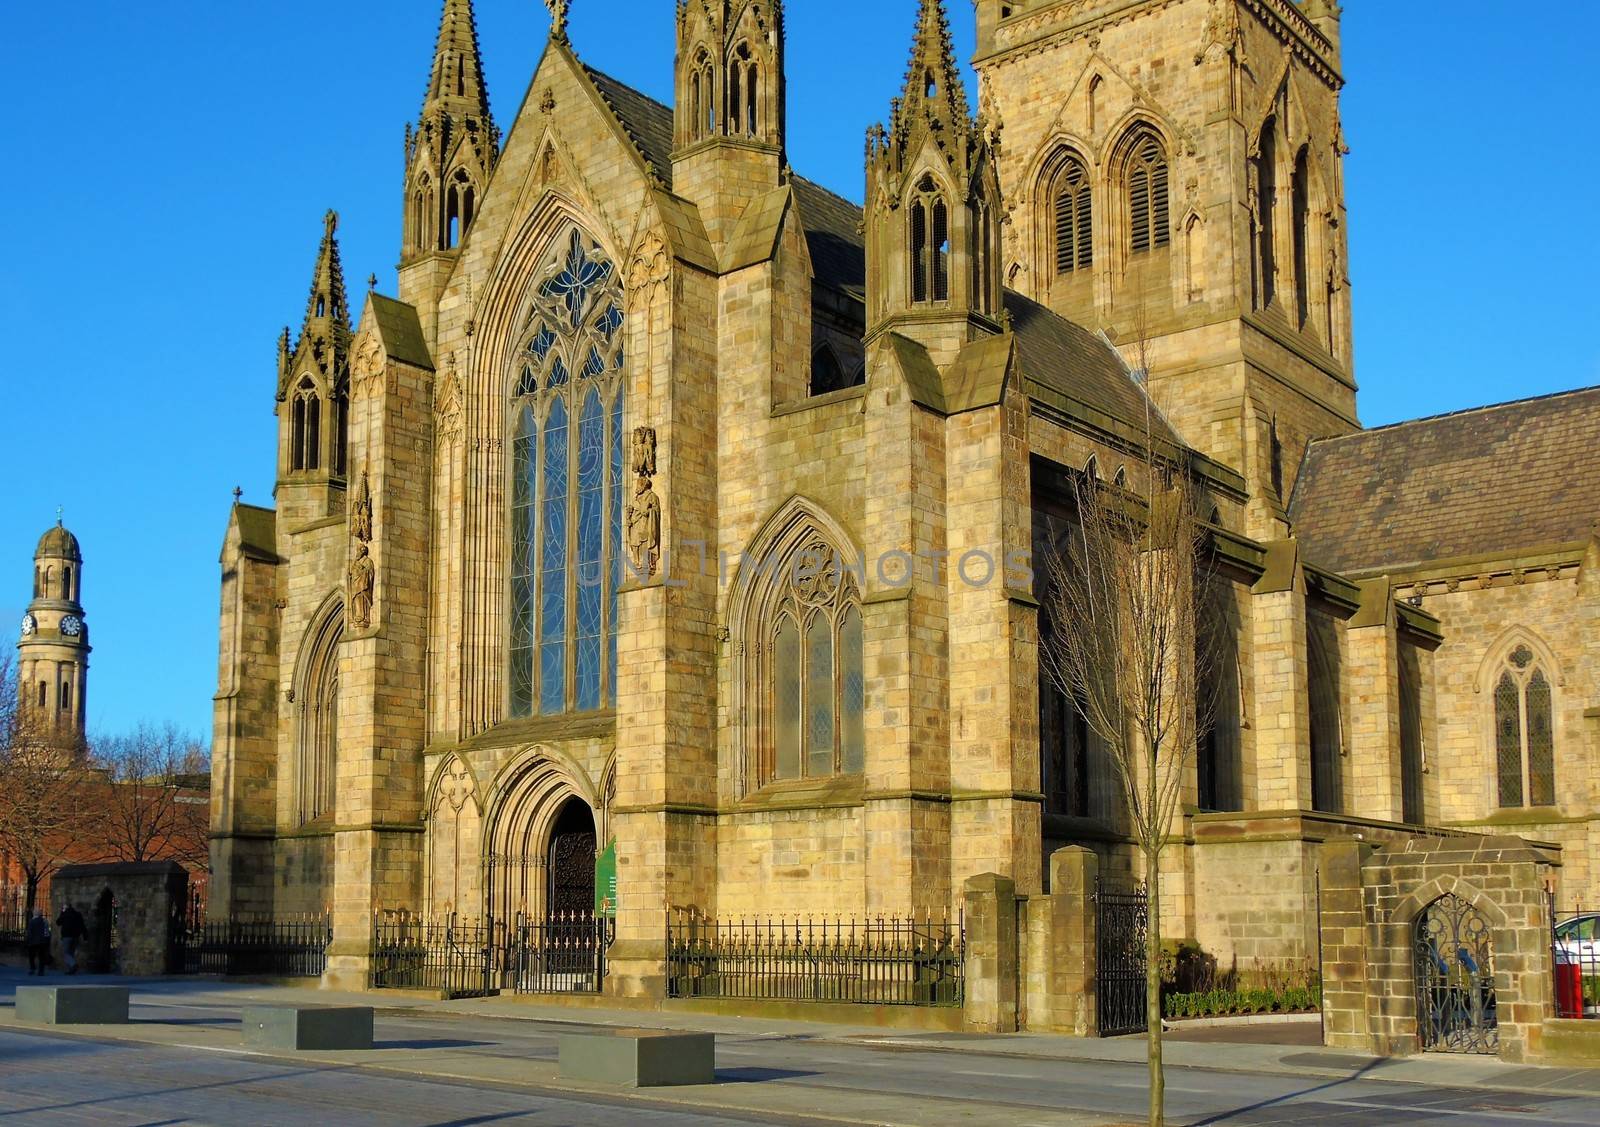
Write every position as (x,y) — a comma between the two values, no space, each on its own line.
(543,830)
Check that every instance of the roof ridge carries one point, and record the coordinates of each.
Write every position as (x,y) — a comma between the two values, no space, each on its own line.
(1386,427)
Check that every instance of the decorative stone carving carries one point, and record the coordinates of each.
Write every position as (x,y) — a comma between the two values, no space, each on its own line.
(649,268)
(361,512)
(643,532)
(447,400)
(362,580)
(456,785)
(368,365)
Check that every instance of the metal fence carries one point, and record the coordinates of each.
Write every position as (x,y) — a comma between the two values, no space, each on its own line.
(271,948)
(562,954)
(1575,956)
(883,961)
(1122,918)
(13,914)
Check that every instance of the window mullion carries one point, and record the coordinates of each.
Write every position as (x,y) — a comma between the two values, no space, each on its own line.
(1526,742)
(574,564)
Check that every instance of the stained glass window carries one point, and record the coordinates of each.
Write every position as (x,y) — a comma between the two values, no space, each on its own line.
(566,487)
(1524,732)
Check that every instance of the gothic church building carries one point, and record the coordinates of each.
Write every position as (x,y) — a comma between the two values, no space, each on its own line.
(528,586)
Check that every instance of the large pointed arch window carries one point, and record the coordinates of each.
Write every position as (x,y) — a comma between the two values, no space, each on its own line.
(566,488)
(317,734)
(803,684)
(1524,731)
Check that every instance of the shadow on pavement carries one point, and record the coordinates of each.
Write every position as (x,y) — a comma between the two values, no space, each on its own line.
(1233,1113)
(759,1075)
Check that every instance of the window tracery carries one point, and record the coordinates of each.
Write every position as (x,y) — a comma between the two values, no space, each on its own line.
(567,487)
(930,243)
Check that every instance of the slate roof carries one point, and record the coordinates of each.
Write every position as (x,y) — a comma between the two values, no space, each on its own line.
(401,331)
(1502,480)
(258,531)
(1057,355)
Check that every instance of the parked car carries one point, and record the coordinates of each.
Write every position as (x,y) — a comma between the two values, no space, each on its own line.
(1577,946)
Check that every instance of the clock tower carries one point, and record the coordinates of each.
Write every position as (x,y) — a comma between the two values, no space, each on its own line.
(53,651)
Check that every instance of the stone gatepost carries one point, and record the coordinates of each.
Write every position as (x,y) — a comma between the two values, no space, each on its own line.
(991,965)
(1074,1001)
(148,899)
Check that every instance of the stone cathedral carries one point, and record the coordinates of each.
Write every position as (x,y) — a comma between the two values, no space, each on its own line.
(530,585)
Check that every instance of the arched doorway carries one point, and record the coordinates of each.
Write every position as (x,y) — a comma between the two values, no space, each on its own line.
(569,862)
(1456,1010)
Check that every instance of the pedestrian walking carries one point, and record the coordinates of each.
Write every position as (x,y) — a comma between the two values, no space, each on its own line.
(37,940)
(70,921)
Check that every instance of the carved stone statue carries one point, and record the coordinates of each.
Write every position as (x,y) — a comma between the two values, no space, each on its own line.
(361,512)
(363,576)
(644,451)
(644,528)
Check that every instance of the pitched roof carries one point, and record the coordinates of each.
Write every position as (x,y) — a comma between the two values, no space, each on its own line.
(832,222)
(401,331)
(1504,479)
(258,531)
(1057,355)
(1064,358)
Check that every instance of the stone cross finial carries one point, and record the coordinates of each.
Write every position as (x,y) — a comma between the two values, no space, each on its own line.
(237,494)
(558,19)
(372,282)
(59,512)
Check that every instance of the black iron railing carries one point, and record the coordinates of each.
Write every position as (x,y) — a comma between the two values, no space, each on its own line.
(1122,918)
(448,955)
(882,961)
(1575,958)
(294,947)
(13,914)
(565,954)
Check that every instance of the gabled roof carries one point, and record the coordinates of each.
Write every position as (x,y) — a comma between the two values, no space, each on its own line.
(1062,359)
(258,531)
(1066,363)
(400,329)
(832,222)
(1494,481)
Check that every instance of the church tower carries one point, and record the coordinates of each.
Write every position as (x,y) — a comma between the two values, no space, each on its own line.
(728,123)
(314,394)
(449,156)
(1175,174)
(53,653)
(933,206)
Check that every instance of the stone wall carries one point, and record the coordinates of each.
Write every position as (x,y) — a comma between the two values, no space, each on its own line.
(149,900)
(1372,900)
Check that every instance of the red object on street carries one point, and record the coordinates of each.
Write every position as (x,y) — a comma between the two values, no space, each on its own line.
(1569,989)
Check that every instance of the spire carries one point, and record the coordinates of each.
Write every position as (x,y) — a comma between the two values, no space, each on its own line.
(933,91)
(457,76)
(327,310)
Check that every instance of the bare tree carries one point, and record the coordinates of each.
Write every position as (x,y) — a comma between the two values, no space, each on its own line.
(41,807)
(149,803)
(1127,596)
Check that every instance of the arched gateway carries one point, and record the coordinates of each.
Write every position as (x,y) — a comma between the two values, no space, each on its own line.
(542,836)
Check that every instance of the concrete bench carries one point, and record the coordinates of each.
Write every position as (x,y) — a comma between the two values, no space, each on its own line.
(308,1027)
(638,1058)
(73,1005)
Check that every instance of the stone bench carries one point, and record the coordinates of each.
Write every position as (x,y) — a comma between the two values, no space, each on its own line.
(638,1058)
(308,1027)
(72,1005)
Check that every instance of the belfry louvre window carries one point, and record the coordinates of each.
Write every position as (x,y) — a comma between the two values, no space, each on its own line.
(1524,732)
(305,434)
(1149,224)
(566,488)
(1074,232)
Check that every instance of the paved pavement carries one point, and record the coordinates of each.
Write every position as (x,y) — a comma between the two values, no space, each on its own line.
(493,1061)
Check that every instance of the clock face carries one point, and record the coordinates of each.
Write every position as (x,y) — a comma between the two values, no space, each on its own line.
(29,625)
(72,626)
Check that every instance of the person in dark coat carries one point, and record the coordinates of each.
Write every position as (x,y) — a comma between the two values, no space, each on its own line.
(70,921)
(37,940)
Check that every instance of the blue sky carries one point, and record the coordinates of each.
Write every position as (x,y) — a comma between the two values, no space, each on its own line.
(171,163)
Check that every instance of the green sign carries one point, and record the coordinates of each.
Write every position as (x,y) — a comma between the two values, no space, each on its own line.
(605,882)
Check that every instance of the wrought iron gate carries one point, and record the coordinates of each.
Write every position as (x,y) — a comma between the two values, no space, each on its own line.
(1455,979)
(1122,917)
